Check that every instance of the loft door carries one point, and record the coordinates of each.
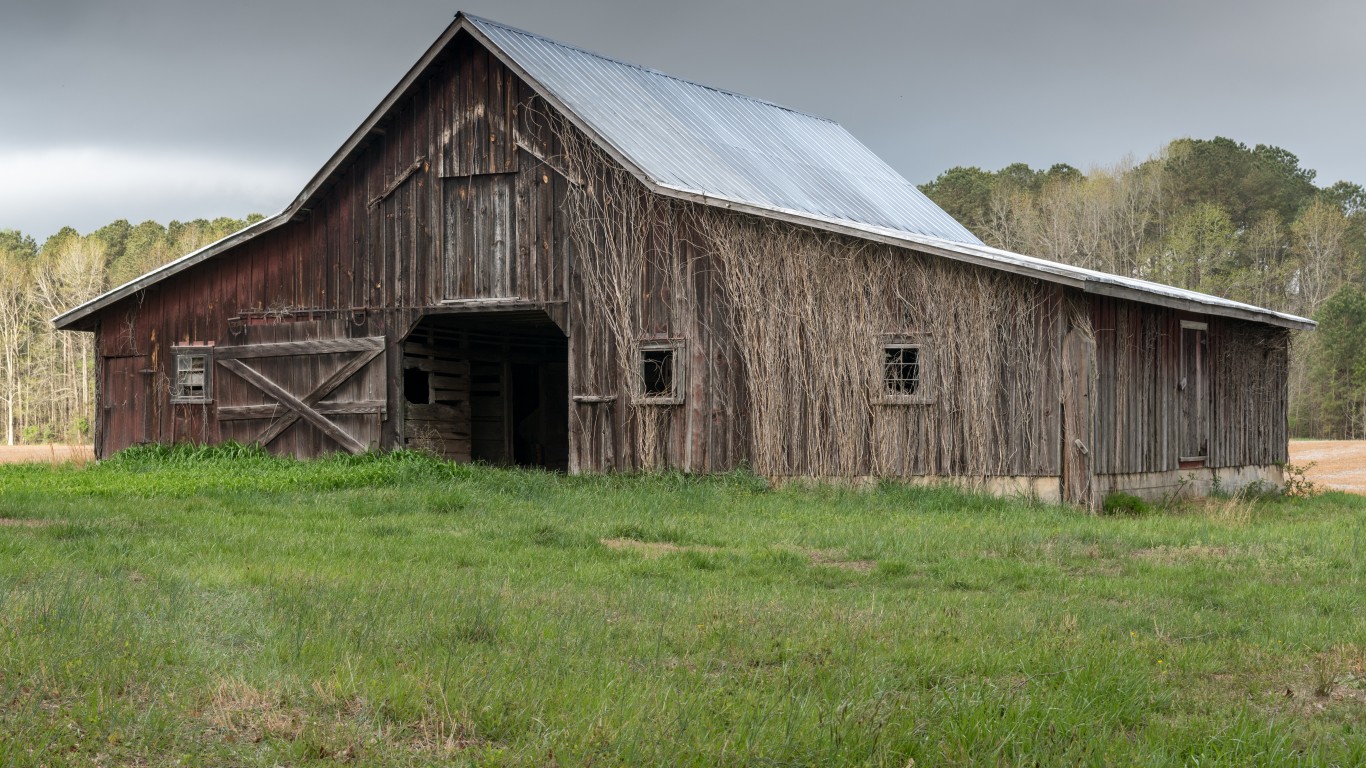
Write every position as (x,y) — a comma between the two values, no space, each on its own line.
(480,237)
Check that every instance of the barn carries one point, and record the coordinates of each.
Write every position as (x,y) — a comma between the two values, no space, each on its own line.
(533,254)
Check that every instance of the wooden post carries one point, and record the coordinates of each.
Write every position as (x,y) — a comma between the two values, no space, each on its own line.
(1078,411)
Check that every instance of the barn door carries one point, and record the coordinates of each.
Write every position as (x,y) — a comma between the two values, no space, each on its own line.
(124,398)
(1078,408)
(1194,391)
(300,395)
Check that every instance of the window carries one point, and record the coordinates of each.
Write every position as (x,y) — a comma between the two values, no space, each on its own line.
(661,380)
(901,370)
(905,365)
(193,381)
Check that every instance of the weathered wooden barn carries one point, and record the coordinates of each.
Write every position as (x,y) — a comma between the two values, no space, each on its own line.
(533,254)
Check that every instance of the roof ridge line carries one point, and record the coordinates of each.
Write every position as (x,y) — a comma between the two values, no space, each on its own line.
(641,67)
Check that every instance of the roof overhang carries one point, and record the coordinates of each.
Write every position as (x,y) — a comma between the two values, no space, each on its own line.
(82,318)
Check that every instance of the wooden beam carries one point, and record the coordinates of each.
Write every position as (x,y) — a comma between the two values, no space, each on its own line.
(564,173)
(396,183)
(240,412)
(315,347)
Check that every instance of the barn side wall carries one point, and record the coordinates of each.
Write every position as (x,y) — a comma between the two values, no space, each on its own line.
(811,332)
(1138,414)
(785,330)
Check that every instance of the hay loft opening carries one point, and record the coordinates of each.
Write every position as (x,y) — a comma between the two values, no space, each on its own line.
(488,386)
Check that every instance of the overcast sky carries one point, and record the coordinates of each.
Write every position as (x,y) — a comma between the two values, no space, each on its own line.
(179,109)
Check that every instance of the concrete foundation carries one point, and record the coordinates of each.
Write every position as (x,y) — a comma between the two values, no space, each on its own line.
(1149,486)
(1200,481)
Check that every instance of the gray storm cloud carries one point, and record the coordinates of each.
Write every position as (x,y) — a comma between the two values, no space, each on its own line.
(258,94)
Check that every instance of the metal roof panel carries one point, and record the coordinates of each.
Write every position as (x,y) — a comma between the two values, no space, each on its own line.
(720,144)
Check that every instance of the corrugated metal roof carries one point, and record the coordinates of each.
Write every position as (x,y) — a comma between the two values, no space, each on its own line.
(1093,281)
(723,149)
(715,143)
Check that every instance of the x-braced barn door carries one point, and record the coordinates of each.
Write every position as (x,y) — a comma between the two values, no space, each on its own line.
(1194,391)
(299,395)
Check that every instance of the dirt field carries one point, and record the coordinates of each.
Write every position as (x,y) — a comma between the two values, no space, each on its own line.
(1339,464)
(50,454)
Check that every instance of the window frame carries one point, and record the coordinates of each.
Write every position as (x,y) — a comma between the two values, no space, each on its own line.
(1204,382)
(178,352)
(677,347)
(924,393)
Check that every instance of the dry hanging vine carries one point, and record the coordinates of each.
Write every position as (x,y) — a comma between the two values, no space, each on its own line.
(630,232)
(806,313)
(809,331)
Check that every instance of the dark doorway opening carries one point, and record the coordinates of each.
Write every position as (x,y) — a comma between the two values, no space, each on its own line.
(488,386)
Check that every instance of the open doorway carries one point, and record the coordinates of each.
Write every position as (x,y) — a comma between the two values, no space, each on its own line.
(488,386)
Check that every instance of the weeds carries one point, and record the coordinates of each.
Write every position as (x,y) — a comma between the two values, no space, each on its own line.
(1124,504)
(1297,483)
(1324,673)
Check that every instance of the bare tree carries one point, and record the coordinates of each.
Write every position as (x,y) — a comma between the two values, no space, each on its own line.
(70,274)
(1321,260)
(15,315)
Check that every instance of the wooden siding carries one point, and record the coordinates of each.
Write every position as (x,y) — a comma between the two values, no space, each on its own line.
(368,252)
(1138,409)
(681,299)
(1016,431)
(1249,371)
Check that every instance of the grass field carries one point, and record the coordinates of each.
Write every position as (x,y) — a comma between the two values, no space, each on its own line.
(223,608)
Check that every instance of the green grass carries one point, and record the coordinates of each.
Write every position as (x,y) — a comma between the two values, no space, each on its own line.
(219,607)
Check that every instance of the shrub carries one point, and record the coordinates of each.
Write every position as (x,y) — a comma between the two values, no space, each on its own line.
(1125,504)
(1297,484)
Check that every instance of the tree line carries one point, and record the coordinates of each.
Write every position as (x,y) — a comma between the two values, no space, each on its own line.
(47,382)
(1216,216)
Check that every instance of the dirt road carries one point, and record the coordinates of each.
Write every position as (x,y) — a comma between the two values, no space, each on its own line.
(1338,464)
(48,454)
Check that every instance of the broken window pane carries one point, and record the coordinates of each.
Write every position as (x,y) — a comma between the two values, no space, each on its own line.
(901,370)
(657,372)
(191,377)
